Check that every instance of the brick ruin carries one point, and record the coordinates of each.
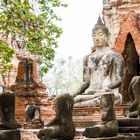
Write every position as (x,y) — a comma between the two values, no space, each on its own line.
(28,88)
(122,17)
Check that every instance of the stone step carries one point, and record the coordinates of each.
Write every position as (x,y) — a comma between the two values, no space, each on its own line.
(129,122)
(31,134)
(120,136)
(129,134)
(134,129)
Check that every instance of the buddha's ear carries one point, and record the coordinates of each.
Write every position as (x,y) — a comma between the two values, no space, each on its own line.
(108,39)
(109,35)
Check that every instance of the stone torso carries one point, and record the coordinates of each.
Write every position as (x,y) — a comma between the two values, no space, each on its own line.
(101,70)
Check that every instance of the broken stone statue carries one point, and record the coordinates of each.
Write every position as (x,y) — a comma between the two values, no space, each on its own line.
(62,126)
(109,125)
(8,124)
(33,117)
(134,95)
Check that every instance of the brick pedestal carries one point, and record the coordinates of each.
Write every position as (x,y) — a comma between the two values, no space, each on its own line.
(88,116)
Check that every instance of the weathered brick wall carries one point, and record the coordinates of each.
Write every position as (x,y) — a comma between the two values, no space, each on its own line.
(46,108)
(29,134)
(47,111)
(129,23)
(20,109)
(122,17)
(31,92)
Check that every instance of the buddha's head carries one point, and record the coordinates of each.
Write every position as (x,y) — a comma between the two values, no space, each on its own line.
(100,34)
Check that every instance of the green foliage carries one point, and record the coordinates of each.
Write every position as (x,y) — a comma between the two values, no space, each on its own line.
(31,24)
(6,54)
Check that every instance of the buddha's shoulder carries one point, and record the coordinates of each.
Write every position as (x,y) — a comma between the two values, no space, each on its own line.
(85,59)
(114,54)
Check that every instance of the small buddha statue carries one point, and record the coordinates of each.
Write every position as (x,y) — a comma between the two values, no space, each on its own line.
(102,70)
(33,117)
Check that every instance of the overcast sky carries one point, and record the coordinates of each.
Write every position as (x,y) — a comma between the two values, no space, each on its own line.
(78,19)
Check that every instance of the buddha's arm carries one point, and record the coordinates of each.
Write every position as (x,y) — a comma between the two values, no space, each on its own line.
(86,78)
(82,88)
(119,72)
(86,71)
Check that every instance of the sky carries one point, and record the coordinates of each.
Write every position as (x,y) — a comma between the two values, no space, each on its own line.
(78,19)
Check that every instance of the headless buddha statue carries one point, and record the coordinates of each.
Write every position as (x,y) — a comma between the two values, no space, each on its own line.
(102,72)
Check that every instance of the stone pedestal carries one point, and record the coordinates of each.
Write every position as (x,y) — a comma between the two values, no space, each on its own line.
(129,125)
(10,135)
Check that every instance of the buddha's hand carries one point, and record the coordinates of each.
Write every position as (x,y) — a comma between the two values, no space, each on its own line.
(107,89)
(110,86)
(73,94)
(89,92)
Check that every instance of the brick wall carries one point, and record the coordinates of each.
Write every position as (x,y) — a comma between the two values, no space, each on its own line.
(47,111)
(29,134)
(31,93)
(122,17)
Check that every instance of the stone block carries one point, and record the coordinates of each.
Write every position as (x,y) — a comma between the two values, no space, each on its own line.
(128,122)
(134,129)
(10,135)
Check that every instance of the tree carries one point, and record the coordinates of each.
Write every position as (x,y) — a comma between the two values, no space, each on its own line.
(64,77)
(31,25)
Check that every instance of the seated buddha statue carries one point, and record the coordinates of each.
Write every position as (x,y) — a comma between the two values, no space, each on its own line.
(102,70)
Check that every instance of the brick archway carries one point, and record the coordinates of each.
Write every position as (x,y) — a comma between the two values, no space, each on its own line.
(129,24)
(132,68)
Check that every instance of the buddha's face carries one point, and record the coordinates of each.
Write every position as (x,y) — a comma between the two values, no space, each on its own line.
(100,38)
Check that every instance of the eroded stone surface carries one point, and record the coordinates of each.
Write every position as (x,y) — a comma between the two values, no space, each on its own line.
(10,135)
(103,70)
(62,126)
(133,93)
(7,111)
(108,126)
